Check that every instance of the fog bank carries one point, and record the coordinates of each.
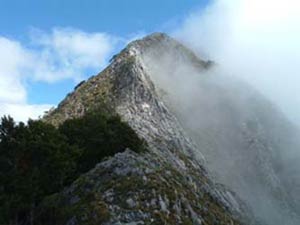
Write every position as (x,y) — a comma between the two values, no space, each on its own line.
(256,40)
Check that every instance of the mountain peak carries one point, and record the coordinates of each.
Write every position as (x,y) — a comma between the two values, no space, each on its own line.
(153,39)
(159,45)
(158,36)
(126,88)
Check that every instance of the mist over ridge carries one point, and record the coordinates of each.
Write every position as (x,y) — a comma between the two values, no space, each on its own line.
(257,41)
(248,143)
(197,123)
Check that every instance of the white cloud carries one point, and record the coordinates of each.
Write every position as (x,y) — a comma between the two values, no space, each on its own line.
(66,53)
(54,56)
(257,40)
(11,58)
(23,111)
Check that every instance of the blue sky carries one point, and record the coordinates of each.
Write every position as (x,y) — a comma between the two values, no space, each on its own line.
(118,17)
(48,46)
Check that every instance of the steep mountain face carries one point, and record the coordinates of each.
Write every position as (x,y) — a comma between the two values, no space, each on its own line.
(167,184)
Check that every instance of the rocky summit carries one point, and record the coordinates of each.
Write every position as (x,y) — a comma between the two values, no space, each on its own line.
(166,184)
(216,148)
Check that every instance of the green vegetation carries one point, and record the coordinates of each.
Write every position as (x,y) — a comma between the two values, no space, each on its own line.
(99,131)
(38,159)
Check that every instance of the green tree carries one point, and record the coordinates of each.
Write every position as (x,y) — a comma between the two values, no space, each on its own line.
(99,135)
(37,159)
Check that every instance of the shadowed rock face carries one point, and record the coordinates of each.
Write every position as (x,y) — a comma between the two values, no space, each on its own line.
(165,185)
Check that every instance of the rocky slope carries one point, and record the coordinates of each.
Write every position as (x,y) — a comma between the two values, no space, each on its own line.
(168,184)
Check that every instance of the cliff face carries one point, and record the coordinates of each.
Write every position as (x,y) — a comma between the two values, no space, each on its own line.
(167,184)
